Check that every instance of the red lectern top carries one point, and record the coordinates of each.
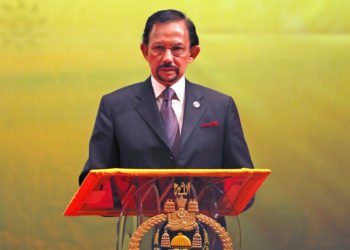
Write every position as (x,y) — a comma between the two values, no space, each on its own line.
(124,192)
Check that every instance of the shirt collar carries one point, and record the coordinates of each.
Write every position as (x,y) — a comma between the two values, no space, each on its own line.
(178,87)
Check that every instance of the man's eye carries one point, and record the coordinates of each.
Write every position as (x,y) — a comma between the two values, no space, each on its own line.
(159,48)
(177,49)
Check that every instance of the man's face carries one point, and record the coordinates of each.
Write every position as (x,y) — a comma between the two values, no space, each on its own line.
(169,51)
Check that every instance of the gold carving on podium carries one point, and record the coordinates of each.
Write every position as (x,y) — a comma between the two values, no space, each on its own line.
(179,221)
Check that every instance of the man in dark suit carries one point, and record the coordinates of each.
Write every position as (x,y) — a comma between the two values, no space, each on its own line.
(167,121)
(135,128)
(130,129)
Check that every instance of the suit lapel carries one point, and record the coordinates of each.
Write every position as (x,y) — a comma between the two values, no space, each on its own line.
(194,109)
(147,108)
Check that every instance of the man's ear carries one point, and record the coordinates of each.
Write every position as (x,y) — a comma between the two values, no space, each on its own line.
(144,49)
(194,51)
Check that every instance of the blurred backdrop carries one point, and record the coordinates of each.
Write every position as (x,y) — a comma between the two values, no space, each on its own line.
(285,62)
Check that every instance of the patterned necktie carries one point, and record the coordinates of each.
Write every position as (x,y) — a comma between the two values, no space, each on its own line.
(170,119)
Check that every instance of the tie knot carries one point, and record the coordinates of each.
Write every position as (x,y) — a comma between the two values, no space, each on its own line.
(168,94)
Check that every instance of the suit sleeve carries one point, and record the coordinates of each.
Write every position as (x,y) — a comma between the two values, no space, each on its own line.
(103,150)
(236,153)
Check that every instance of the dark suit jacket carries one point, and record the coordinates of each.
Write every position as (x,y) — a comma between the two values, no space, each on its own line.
(129,132)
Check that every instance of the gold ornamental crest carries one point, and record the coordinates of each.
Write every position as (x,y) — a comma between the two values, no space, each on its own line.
(180,227)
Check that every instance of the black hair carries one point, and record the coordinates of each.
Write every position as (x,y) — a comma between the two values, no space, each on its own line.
(170,15)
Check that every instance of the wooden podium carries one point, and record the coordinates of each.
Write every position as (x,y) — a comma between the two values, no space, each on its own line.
(144,192)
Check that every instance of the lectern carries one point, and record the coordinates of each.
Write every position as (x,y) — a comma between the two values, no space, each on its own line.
(173,198)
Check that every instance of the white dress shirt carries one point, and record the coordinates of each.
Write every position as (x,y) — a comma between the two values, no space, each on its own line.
(178,103)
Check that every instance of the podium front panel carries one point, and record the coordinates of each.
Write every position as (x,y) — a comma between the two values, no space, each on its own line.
(127,192)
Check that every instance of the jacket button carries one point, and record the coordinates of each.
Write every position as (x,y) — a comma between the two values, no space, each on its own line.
(171,158)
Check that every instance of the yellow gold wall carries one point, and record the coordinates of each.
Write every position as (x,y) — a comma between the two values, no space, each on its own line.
(286,63)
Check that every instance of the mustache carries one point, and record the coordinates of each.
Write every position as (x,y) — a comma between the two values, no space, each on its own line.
(167,65)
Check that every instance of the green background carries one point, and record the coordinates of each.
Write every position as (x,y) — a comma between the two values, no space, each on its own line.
(286,63)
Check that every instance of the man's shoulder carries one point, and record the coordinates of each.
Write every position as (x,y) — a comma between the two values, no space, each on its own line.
(126,90)
(208,92)
(126,94)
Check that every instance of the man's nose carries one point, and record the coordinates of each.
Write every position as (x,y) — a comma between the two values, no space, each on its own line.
(168,56)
